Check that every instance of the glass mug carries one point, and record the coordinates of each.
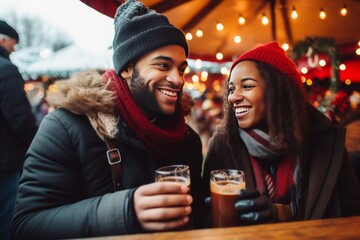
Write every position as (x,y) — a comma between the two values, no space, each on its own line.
(225,185)
(173,173)
(179,174)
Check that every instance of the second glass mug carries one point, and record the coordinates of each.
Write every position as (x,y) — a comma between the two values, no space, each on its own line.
(225,185)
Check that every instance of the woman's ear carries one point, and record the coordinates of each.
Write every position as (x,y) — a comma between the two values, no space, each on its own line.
(127,73)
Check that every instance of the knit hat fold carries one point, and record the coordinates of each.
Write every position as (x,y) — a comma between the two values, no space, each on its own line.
(274,55)
(139,30)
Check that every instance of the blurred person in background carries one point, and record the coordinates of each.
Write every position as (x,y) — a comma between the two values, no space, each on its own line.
(294,159)
(17,127)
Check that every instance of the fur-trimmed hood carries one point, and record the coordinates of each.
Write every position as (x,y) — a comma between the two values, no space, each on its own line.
(87,93)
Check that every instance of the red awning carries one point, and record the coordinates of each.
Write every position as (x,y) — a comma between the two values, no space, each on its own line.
(107,7)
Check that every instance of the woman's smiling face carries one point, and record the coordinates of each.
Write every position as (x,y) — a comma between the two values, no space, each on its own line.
(247,95)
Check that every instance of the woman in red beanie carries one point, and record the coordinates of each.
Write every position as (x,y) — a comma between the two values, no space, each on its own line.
(295,163)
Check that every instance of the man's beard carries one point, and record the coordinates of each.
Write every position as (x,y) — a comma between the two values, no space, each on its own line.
(144,96)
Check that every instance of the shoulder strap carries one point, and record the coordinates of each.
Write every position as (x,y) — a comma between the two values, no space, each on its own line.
(114,159)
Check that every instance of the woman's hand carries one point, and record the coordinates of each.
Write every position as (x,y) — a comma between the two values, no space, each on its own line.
(162,206)
(255,208)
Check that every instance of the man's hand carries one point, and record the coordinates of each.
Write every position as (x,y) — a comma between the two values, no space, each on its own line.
(162,206)
(255,208)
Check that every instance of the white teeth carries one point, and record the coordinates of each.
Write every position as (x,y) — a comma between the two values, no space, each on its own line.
(242,109)
(169,93)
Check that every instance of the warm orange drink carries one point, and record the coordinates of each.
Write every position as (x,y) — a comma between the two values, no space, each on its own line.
(224,187)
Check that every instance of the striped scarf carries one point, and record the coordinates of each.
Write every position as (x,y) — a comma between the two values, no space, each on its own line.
(273,171)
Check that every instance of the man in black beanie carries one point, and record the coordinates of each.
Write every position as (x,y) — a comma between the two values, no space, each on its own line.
(17,127)
(68,188)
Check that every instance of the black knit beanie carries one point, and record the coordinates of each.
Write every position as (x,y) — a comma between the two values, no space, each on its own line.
(139,30)
(7,30)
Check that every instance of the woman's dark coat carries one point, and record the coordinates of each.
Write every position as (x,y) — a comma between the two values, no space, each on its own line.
(332,189)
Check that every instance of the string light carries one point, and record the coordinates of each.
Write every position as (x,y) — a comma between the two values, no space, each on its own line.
(322,14)
(322,63)
(304,70)
(285,46)
(219,26)
(204,76)
(195,78)
(294,14)
(309,82)
(199,33)
(224,71)
(219,56)
(189,36)
(264,20)
(342,67)
(343,11)
(237,39)
(198,63)
(241,20)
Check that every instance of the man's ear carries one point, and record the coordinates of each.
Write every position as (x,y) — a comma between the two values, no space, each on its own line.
(127,73)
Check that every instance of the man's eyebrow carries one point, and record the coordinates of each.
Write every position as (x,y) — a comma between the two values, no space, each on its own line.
(161,57)
(169,59)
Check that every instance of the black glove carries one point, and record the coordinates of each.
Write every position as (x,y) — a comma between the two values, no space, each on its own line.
(255,208)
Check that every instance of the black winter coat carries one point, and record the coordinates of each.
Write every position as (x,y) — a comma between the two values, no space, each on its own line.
(17,122)
(66,189)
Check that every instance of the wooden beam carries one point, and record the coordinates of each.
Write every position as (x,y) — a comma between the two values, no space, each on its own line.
(273,20)
(166,5)
(287,26)
(212,4)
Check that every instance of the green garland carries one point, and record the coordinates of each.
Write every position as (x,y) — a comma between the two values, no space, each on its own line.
(321,45)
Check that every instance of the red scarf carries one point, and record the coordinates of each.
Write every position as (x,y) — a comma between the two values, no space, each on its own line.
(279,188)
(160,140)
(284,181)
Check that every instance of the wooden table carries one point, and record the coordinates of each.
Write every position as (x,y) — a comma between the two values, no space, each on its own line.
(339,228)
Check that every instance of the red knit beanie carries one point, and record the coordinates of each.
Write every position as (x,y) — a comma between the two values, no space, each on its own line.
(272,54)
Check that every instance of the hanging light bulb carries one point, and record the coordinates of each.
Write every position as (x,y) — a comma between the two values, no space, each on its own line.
(241,20)
(219,26)
(264,20)
(195,78)
(285,46)
(322,14)
(199,33)
(204,76)
(198,63)
(237,39)
(303,70)
(188,36)
(357,51)
(322,63)
(294,14)
(219,56)
(343,11)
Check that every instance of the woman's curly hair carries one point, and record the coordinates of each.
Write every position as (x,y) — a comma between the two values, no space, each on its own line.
(287,116)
